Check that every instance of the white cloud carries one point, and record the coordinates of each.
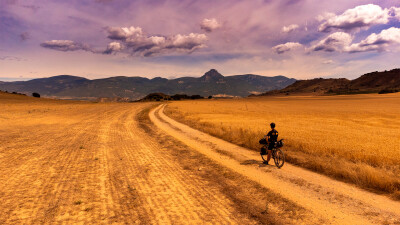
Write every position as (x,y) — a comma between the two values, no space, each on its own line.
(358,17)
(342,42)
(282,48)
(113,47)
(137,43)
(134,41)
(329,61)
(157,40)
(395,12)
(65,45)
(290,28)
(335,42)
(210,25)
(379,42)
(190,42)
(325,16)
(124,33)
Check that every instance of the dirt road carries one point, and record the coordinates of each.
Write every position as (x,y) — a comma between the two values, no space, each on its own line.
(93,164)
(67,162)
(337,202)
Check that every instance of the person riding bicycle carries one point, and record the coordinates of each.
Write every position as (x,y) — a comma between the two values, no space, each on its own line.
(272,138)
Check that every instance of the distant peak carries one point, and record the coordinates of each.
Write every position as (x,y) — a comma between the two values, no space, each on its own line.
(63,77)
(213,74)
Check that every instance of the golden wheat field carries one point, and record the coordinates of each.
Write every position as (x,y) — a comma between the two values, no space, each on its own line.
(353,138)
(71,162)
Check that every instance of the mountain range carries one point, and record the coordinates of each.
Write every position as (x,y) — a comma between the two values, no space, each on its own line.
(132,88)
(375,82)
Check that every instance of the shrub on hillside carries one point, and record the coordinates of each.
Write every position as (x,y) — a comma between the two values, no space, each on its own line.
(386,91)
(196,97)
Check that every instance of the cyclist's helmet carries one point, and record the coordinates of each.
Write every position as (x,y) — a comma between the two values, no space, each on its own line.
(272,125)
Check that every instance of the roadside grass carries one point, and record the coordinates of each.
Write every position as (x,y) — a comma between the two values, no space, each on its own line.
(351,138)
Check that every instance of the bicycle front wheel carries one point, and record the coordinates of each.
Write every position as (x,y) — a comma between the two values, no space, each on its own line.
(264,157)
(279,158)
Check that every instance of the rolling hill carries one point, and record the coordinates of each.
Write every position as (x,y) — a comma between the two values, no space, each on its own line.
(211,83)
(375,82)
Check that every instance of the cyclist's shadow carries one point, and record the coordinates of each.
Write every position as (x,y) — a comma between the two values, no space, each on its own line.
(253,162)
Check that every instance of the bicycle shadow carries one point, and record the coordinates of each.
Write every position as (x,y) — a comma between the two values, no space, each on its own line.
(253,162)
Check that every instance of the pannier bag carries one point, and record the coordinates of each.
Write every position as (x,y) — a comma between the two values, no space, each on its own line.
(263,141)
(263,151)
(279,143)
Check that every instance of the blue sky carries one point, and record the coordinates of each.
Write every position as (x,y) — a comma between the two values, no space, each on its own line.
(172,38)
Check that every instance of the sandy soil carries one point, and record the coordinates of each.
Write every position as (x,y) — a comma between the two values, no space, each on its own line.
(64,162)
(92,164)
(335,201)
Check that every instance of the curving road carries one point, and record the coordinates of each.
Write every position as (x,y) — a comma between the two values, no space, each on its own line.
(335,201)
(67,162)
(96,164)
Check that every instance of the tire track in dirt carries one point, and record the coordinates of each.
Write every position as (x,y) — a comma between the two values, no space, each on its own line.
(319,194)
(248,197)
(41,187)
(99,167)
(23,174)
(29,148)
(155,183)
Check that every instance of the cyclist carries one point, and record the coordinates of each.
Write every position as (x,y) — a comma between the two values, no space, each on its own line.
(272,138)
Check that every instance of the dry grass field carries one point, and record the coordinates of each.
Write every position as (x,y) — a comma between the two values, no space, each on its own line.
(70,162)
(354,138)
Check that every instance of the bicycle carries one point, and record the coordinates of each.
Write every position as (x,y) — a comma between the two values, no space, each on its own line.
(277,153)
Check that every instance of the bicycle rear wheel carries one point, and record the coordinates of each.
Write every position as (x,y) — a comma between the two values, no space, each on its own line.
(279,158)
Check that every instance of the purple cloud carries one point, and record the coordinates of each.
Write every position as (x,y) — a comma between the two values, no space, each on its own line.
(65,45)
(10,58)
(133,41)
(290,28)
(177,33)
(138,43)
(10,2)
(34,8)
(24,36)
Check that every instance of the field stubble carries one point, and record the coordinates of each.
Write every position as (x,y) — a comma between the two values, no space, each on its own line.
(69,162)
(351,138)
